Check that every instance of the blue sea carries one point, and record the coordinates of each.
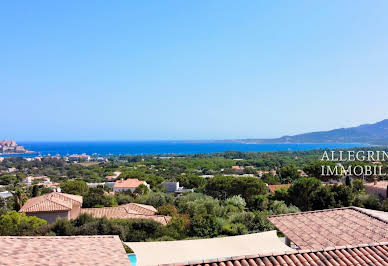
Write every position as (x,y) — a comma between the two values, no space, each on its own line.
(104,148)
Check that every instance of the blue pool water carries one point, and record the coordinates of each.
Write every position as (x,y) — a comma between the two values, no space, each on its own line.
(132,259)
(164,147)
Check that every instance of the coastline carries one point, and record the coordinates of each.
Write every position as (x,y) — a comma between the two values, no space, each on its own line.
(105,149)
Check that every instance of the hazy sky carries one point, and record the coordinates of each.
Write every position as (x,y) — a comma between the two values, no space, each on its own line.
(135,70)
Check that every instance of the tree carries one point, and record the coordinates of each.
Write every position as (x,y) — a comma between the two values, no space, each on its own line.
(289,173)
(236,201)
(20,198)
(15,224)
(261,202)
(371,201)
(219,187)
(8,180)
(141,190)
(253,221)
(358,185)
(223,187)
(96,197)
(347,181)
(234,229)
(281,194)
(204,226)
(300,192)
(343,195)
(280,207)
(178,226)
(167,209)
(323,198)
(270,179)
(314,169)
(35,191)
(191,181)
(62,227)
(76,187)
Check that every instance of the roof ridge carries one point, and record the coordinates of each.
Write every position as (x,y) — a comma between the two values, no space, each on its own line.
(315,211)
(361,210)
(102,208)
(267,254)
(59,202)
(34,204)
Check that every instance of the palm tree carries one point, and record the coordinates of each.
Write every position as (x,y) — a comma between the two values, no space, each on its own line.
(20,198)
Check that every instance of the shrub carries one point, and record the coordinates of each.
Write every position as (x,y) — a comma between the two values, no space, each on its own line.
(62,227)
(167,209)
(205,226)
(18,224)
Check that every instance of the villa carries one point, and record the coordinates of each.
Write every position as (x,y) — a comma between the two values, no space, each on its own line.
(128,184)
(53,205)
(61,205)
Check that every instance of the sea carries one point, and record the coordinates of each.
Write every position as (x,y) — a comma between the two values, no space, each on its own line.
(106,148)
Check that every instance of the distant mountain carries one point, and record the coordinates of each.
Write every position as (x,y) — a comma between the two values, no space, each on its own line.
(376,134)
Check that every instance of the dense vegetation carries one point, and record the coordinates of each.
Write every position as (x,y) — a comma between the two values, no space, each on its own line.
(226,201)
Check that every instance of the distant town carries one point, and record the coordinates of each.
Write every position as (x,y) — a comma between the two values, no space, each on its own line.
(11,147)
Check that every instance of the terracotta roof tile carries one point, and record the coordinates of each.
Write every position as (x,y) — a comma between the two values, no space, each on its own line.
(54,201)
(329,228)
(62,250)
(140,208)
(128,211)
(128,183)
(376,255)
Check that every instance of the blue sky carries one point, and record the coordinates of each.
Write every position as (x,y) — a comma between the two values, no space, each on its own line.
(152,70)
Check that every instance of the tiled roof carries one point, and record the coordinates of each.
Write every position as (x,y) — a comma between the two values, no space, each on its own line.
(54,201)
(140,208)
(377,214)
(373,255)
(272,188)
(333,227)
(128,211)
(62,250)
(128,183)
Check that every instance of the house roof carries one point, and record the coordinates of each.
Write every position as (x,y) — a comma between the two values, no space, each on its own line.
(54,201)
(128,183)
(141,208)
(333,227)
(374,254)
(194,250)
(62,250)
(128,211)
(379,184)
(378,214)
(272,188)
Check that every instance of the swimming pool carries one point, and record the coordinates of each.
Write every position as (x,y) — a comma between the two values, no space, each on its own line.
(132,259)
